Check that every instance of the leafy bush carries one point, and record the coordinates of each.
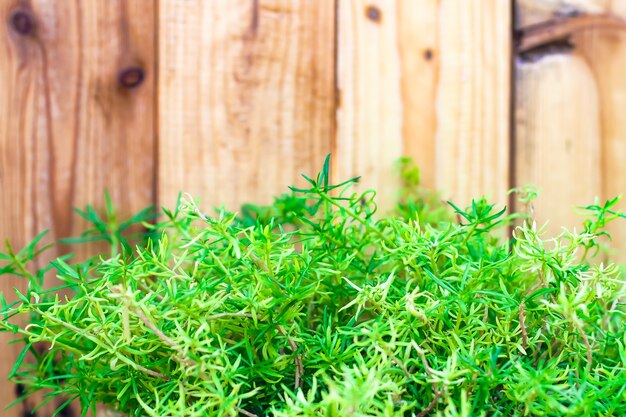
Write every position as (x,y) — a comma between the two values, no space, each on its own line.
(314,306)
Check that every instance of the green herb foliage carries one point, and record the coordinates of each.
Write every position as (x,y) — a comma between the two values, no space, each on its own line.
(315,307)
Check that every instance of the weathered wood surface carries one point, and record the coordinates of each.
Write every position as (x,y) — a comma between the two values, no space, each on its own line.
(68,129)
(370,103)
(531,12)
(606,54)
(557,136)
(575,122)
(473,100)
(246,97)
(431,80)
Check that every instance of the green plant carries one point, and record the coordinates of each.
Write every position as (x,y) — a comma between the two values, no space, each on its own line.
(315,306)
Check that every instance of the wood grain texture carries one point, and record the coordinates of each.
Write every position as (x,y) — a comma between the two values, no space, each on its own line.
(427,79)
(599,60)
(418,46)
(246,97)
(558,136)
(371,106)
(473,100)
(67,129)
(605,53)
(531,12)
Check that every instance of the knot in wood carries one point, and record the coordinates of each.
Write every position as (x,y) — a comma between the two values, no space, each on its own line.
(22,22)
(373,13)
(131,77)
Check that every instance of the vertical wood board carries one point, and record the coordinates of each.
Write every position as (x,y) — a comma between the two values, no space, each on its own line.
(430,80)
(558,137)
(68,130)
(371,107)
(606,55)
(473,100)
(246,97)
(591,118)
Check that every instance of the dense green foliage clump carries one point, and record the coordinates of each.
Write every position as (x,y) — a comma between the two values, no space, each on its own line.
(314,307)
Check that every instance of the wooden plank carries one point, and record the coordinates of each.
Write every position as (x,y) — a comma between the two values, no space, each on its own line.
(605,53)
(246,97)
(427,79)
(370,105)
(418,47)
(473,100)
(67,128)
(592,71)
(530,12)
(557,136)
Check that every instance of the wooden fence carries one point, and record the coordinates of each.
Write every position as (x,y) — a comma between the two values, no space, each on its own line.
(231,100)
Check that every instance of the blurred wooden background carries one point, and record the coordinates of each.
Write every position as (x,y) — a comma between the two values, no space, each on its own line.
(231,100)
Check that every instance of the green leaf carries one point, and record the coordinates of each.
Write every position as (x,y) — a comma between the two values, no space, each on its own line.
(63,406)
(29,249)
(325,173)
(65,269)
(440,282)
(19,360)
